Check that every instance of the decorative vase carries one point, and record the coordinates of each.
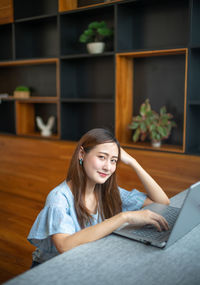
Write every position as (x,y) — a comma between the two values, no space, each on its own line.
(156,143)
(96,47)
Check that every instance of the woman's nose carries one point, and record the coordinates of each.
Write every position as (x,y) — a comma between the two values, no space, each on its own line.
(107,165)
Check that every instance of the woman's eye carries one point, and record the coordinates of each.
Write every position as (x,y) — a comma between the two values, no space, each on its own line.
(102,157)
(113,161)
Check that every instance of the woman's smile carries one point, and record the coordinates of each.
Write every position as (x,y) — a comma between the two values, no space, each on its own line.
(102,174)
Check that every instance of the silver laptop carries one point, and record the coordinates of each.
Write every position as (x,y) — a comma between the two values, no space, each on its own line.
(181,221)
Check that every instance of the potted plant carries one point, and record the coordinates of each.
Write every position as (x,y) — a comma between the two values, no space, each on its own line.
(22,92)
(151,125)
(94,36)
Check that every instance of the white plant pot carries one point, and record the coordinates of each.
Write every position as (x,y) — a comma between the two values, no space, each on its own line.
(156,143)
(97,47)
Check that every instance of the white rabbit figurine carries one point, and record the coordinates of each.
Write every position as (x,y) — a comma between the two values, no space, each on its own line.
(46,130)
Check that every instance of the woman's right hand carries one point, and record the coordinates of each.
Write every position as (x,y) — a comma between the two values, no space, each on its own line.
(147,217)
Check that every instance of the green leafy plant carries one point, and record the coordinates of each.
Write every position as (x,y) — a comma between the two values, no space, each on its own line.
(151,125)
(96,32)
(22,88)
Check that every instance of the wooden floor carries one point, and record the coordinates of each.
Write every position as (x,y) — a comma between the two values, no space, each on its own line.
(30,168)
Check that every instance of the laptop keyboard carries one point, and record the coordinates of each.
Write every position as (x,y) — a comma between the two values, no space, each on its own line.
(170,214)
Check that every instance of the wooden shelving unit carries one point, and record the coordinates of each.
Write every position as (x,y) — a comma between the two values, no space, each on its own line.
(26,112)
(42,76)
(147,146)
(155,54)
(139,74)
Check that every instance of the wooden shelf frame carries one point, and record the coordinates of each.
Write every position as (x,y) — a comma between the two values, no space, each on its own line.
(6,12)
(32,62)
(69,5)
(29,61)
(25,112)
(26,118)
(125,96)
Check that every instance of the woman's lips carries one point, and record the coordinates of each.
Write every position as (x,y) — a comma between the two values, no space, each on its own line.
(103,174)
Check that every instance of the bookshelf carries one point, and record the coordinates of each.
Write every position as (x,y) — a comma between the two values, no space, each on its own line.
(155,54)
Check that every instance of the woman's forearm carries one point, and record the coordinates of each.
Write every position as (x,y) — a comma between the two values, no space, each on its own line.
(65,242)
(90,234)
(154,191)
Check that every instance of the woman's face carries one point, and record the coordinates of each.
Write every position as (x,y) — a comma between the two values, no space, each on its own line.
(100,162)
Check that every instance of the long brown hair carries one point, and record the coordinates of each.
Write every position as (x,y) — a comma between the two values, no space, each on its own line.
(107,194)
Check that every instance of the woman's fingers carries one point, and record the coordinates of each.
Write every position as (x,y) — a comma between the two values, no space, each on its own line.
(147,217)
(164,224)
(156,225)
(159,222)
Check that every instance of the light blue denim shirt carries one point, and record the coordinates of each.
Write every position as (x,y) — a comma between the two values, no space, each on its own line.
(59,216)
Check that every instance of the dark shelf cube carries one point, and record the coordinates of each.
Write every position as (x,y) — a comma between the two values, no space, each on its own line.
(40,78)
(162,80)
(195,34)
(78,118)
(73,24)
(194,74)
(32,8)
(6,42)
(193,133)
(36,38)
(88,78)
(152,25)
(7,117)
(193,109)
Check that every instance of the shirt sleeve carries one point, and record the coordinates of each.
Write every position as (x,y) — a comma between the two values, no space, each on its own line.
(51,220)
(132,200)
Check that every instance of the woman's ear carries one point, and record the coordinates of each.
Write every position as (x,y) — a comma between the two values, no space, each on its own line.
(81,153)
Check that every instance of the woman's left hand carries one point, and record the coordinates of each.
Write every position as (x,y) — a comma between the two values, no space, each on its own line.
(125,157)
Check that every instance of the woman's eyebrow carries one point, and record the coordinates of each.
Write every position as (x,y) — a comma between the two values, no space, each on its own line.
(105,153)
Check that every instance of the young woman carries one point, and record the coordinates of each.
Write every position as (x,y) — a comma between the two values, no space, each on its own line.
(89,205)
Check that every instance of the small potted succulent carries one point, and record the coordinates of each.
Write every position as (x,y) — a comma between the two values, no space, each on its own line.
(95,35)
(22,92)
(151,125)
